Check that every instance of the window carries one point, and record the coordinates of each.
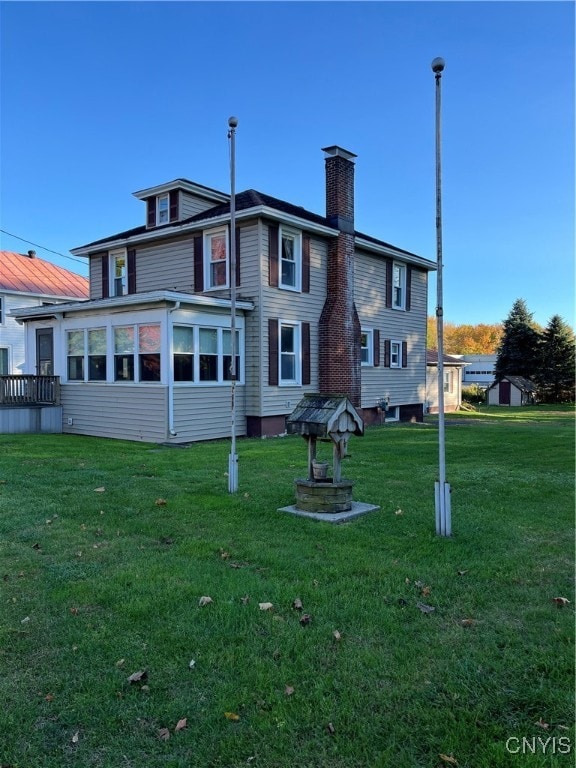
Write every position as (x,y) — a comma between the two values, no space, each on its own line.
(97,354)
(398,286)
(163,209)
(447,381)
(289,353)
(4,361)
(124,354)
(216,259)
(227,355)
(75,355)
(208,354)
(1,310)
(290,259)
(183,343)
(367,347)
(119,273)
(149,352)
(395,354)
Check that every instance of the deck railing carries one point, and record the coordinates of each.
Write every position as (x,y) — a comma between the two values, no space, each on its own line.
(29,390)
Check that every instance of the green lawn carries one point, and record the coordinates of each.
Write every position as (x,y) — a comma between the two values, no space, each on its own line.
(106,548)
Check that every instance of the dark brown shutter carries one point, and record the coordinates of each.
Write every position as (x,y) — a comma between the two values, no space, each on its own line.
(305,263)
(272,352)
(408,287)
(237,256)
(387,353)
(388,286)
(198,264)
(376,340)
(174,194)
(105,276)
(273,255)
(404,354)
(151,212)
(132,270)
(305,353)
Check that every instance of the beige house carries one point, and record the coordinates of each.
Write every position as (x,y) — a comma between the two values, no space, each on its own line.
(320,307)
(452,384)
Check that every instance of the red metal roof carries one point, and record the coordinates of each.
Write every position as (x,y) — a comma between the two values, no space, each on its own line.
(24,274)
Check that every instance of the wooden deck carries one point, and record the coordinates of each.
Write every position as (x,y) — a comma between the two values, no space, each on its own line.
(29,390)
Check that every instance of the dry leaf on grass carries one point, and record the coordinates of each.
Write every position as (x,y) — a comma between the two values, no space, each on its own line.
(231,716)
(467,622)
(180,725)
(288,690)
(76,737)
(265,606)
(448,759)
(245,600)
(297,604)
(205,600)
(164,734)
(542,724)
(425,608)
(560,601)
(330,728)
(138,677)
(305,619)
(160,502)
(336,635)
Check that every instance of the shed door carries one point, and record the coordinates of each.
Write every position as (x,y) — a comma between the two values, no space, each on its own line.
(504,393)
(44,352)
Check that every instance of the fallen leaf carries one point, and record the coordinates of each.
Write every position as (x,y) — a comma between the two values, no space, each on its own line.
(138,677)
(231,716)
(120,663)
(205,600)
(448,759)
(180,725)
(49,697)
(164,734)
(266,606)
(297,604)
(245,600)
(336,635)
(462,573)
(36,546)
(160,502)
(191,664)
(560,601)
(288,691)
(542,724)
(330,728)
(225,555)
(74,611)
(25,620)
(305,619)
(76,737)
(99,490)
(398,512)
(426,591)
(467,622)
(425,608)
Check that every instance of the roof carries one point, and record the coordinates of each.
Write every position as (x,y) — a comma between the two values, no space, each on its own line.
(432,359)
(525,385)
(21,273)
(324,416)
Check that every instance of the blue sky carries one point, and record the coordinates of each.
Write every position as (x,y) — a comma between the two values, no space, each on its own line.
(100,99)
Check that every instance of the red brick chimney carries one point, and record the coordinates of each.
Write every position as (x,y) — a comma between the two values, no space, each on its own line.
(339,329)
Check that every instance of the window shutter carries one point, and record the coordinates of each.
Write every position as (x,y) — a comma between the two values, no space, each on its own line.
(198,264)
(174,205)
(376,341)
(237,255)
(272,352)
(387,353)
(105,276)
(388,287)
(132,270)
(151,212)
(305,263)
(305,353)
(273,233)
(404,354)
(408,287)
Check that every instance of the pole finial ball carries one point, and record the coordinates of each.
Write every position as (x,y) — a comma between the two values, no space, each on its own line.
(438,65)
(232,122)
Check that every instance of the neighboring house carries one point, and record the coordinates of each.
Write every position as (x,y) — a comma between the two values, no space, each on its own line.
(512,390)
(26,281)
(452,385)
(320,307)
(480,370)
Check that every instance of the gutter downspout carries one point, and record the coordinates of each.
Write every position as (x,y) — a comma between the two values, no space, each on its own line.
(170,326)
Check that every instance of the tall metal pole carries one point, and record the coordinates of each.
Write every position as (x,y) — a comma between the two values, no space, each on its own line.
(442,489)
(233,457)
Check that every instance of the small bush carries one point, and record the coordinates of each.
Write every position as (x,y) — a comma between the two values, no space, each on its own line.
(473,394)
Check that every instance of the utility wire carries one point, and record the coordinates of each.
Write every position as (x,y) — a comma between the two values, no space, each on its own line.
(57,253)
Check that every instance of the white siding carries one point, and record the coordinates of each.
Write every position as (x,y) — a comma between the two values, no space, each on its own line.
(12,334)
(205,413)
(121,411)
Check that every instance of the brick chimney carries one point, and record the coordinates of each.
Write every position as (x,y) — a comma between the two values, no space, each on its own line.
(339,328)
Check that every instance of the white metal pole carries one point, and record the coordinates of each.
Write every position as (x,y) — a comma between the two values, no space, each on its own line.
(442,492)
(233,457)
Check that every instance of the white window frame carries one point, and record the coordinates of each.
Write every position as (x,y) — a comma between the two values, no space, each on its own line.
(296,353)
(296,237)
(161,208)
(221,379)
(208,262)
(8,367)
(120,253)
(395,353)
(447,381)
(368,348)
(1,310)
(393,413)
(398,285)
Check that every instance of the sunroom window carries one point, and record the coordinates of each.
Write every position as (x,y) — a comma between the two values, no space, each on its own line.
(183,353)
(75,355)
(97,354)
(149,352)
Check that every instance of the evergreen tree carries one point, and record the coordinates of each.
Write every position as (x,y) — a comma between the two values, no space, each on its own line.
(518,352)
(557,362)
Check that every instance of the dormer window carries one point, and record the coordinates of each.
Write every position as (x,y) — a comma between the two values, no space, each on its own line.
(163,209)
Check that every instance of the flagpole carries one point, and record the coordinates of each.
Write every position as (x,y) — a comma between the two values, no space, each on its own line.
(233,457)
(441,488)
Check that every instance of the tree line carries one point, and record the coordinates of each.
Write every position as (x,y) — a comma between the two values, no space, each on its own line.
(482,339)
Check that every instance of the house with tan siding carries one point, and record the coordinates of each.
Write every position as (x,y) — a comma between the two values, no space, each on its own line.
(320,307)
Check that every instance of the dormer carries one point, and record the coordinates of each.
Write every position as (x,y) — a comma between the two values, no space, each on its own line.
(177,200)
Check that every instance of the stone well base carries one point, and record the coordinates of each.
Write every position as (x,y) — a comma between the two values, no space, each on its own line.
(326,497)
